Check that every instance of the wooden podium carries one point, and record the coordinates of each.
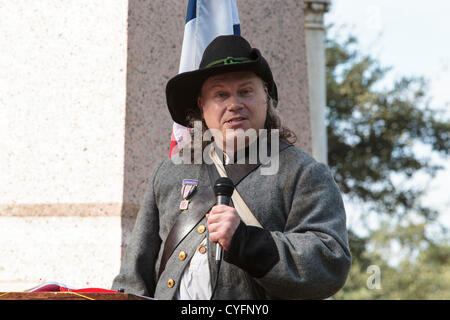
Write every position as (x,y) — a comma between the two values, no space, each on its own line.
(68,295)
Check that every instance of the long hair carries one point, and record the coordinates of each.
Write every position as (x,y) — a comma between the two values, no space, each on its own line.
(273,121)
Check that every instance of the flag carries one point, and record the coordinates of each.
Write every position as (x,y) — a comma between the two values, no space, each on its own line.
(205,20)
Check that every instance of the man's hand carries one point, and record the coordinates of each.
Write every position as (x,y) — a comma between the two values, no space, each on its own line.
(222,223)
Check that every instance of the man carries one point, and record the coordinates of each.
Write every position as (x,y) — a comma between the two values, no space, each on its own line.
(297,249)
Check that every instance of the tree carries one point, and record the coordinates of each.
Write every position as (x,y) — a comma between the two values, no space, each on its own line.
(373,135)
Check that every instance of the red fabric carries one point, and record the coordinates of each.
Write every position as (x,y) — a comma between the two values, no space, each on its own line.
(55,287)
(173,144)
(47,288)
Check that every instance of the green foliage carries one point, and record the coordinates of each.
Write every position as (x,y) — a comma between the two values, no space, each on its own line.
(372,133)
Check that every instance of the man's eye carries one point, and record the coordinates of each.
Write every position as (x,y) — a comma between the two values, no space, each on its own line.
(246,92)
(221,94)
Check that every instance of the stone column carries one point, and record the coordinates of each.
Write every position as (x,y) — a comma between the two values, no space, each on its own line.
(62,118)
(315,51)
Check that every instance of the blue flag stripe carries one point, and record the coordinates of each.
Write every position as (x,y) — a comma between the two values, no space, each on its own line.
(191,10)
(237,29)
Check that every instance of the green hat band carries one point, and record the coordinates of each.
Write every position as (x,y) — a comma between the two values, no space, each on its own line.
(228,60)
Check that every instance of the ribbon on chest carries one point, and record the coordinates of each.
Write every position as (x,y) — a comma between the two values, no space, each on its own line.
(187,190)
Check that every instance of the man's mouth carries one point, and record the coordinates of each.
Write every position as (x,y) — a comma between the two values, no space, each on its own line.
(235,119)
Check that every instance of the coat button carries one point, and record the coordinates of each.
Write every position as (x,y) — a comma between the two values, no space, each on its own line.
(170,283)
(182,255)
(201,228)
(202,249)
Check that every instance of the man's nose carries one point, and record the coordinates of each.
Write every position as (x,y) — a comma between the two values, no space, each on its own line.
(234,103)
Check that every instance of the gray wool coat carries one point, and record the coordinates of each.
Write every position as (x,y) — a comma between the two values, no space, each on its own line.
(301,252)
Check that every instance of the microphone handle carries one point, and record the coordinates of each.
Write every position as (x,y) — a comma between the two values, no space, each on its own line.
(221,199)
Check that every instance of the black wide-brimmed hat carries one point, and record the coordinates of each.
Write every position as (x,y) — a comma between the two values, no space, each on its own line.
(224,54)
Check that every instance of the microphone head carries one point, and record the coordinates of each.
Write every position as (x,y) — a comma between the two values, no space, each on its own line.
(223,187)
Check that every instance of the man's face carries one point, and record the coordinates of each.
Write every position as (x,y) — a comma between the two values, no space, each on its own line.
(235,100)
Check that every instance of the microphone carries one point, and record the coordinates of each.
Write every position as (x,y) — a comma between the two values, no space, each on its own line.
(223,189)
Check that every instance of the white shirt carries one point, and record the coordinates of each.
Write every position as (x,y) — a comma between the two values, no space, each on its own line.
(195,282)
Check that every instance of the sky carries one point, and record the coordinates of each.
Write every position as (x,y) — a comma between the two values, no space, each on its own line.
(412,37)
